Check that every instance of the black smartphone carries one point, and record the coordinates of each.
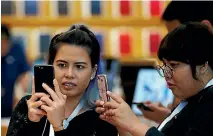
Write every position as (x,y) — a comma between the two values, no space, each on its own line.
(142,105)
(103,87)
(43,74)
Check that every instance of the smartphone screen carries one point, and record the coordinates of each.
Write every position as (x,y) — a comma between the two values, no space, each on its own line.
(103,87)
(43,74)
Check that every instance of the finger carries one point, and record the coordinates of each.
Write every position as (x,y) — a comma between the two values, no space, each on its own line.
(111,105)
(147,102)
(36,104)
(115,97)
(99,103)
(57,90)
(40,112)
(50,91)
(110,112)
(153,107)
(146,112)
(47,100)
(100,110)
(46,108)
(160,104)
(36,96)
(65,97)
(102,116)
(33,85)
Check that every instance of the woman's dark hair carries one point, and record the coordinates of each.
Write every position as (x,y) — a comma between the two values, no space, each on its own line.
(78,35)
(191,43)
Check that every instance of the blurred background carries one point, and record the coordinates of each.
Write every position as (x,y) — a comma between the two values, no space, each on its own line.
(129,33)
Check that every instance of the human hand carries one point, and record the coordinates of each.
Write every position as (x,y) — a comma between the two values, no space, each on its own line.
(35,114)
(55,108)
(158,113)
(117,112)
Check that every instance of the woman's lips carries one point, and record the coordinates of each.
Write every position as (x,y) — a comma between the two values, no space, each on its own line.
(170,85)
(69,85)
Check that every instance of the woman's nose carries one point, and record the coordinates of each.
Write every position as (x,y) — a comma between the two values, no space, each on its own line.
(69,73)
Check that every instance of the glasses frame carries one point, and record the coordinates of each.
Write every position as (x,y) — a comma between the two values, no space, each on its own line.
(167,71)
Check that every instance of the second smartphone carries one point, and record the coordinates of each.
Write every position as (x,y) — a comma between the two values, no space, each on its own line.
(103,87)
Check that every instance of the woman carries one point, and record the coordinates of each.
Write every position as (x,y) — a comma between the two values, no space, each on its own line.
(75,57)
(186,53)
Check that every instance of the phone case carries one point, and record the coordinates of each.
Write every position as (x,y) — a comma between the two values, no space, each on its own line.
(43,74)
(102,87)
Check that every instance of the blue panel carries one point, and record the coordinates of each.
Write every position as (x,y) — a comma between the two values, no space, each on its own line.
(31,7)
(95,7)
(44,43)
(100,40)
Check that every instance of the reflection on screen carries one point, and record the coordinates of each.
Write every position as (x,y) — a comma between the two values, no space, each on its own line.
(150,86)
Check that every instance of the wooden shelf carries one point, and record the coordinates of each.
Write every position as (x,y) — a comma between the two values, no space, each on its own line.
(67,21)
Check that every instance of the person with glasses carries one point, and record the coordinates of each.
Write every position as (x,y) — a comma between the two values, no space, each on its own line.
(176,13)
(186,53)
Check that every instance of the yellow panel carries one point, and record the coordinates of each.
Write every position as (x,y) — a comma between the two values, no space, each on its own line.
(77,8)
(107,42)
(137,6)
(137,43)
(45,8)
(106,6)
(64,21)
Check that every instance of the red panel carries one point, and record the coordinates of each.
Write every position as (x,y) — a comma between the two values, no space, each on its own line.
(155,8)
(125,47)
(154,42)
(125,7)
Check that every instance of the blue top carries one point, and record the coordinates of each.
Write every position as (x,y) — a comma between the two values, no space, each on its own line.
(12,66)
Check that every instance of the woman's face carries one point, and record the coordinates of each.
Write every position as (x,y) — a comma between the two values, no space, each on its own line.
(73,69)
(182,83)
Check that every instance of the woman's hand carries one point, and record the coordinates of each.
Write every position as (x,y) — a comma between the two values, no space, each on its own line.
(158,113)
(117,112)
(35,114)
(54,108)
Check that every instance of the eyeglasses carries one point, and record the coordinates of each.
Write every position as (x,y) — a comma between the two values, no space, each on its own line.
(165,71)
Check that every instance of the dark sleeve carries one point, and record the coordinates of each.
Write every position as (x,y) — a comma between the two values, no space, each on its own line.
(61,133)
(19,122)
(104,128)
(153,131)
(202,122)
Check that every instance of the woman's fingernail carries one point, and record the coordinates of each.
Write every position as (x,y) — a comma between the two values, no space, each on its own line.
(102,103)
(108,92)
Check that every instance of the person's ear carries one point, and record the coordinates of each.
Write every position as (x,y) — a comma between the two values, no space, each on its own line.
(202,69)
(208,24)
(94,70)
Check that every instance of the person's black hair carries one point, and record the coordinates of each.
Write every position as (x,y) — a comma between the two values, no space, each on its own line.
(78,35)
(191,43)
(188,11)
(5,30)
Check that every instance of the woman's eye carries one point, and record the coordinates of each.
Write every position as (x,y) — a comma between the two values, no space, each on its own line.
(80,66)
(174,65)
(61,65)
